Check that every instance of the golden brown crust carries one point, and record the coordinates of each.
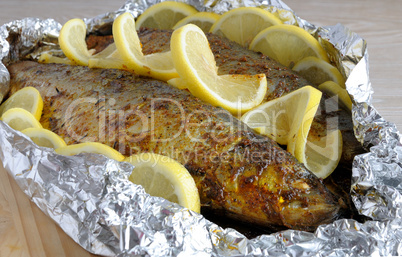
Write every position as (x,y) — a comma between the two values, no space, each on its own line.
(237,171)
(231,58)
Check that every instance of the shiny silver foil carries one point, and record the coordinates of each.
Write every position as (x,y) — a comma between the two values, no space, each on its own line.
(91,199)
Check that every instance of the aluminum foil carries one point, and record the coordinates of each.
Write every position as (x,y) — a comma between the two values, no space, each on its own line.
(91,199)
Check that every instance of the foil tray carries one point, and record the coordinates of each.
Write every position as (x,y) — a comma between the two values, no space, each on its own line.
(91,199)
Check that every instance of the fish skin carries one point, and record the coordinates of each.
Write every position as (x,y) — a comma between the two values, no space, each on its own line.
(231,58)
(245,175)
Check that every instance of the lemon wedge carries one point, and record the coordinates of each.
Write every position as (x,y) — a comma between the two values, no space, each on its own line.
(164,15)
(72,41)
(287,44)
(90,147)
(317,71)
(287,117)
(20,119)
(158,65)
(321,157)
(27,98)
(195,63)
(333,89)
(164,177)
(243,24)
(204,20)
(44,137)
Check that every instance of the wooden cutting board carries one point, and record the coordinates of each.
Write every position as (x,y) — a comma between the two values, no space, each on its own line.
(25,230)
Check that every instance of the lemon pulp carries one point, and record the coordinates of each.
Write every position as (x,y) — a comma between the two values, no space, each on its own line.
(164,177)
(72,41)
(318,71)
(242,24)
(164,15)
(204,20)
(44,137)
(20,119)
(158,65)
(287,44)
(27,98)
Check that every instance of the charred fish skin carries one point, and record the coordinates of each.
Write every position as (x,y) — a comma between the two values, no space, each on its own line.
(236,171)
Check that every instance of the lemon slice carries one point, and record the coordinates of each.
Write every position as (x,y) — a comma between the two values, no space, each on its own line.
(270,121)
(317,71)
(164,15)
(48,58)
(321,157)
(164,177)
(204,20)
(283,118)
(109,58)
(243,24)
(288,119)
(27,98)
(196,65)
(20,119)
(333,89)
(44,137)
(287,44)
(90,147)
(109,51)
(158,65)
(178,83)
(72,41)
(243,82)
(107,63)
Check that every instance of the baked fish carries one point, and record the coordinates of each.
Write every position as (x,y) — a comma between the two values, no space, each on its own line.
(231,58)
(245,175)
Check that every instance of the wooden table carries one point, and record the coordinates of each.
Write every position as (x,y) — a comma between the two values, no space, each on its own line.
(26,231)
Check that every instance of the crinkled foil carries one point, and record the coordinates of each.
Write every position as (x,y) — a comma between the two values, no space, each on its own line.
(91,199)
